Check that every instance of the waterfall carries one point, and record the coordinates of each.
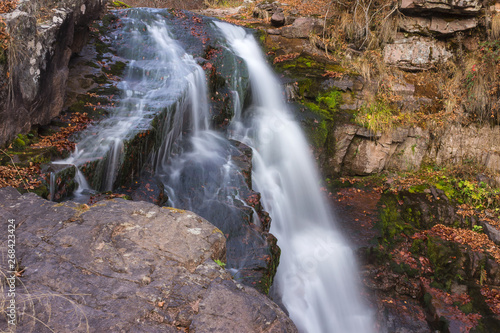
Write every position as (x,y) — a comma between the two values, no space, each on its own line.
(316,278)
(162,82)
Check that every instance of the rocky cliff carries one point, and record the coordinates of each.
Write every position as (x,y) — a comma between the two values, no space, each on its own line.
(43,36)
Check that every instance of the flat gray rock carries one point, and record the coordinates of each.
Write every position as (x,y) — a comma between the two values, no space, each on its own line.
(122,266)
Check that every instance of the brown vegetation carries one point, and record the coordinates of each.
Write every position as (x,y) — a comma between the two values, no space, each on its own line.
(60,140)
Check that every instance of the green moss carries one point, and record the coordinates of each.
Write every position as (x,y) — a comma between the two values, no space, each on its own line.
(331,99)
(77,107)
(417,246)
(418,188)
(104,91)
(42,191)
(445,258)
(392,225)
(116,69)
(92,64)
(18,144)
(101,79)
(403,268)
(466,308)
(119,4)
(413,217)
(427,300)
(318,134)
(101,48)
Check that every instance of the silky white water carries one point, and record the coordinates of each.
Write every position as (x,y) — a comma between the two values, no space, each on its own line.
(160,75)
(317,277)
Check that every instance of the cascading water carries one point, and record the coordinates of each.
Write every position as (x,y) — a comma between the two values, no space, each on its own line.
(316,277)
(161,76)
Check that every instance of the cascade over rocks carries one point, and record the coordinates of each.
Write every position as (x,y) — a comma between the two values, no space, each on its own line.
(38,62)
(126,266)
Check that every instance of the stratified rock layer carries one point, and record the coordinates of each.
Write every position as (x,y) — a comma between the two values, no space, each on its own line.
(121,266)
(37,60)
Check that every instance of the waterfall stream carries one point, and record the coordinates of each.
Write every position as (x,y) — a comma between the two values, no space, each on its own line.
(316,279)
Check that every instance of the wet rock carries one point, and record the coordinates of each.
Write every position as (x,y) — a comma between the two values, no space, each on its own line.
(243,160)
(437,25)
(302,27)
(39,63)
(147,188)
(401,316)
(59,180)
(418,210)
(467,7)
(415,53)
(126,266)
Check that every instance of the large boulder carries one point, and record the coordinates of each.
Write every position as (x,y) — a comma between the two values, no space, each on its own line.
(302,27)
(416,53)
(122,266)
(37,59)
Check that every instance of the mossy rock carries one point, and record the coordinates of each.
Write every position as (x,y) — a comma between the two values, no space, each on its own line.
(392,226)
(18,144)
(447,259)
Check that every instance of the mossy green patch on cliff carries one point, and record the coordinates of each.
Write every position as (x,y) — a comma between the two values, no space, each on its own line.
(447,261)
(392,225)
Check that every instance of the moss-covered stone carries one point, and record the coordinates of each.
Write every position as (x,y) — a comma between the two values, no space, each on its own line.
(392,225)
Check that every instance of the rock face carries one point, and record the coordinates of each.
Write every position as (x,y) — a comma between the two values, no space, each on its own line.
(481,143)
(415,53)
(38,60)
(436,25)
(360,152)
(125,267)
(463,7)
